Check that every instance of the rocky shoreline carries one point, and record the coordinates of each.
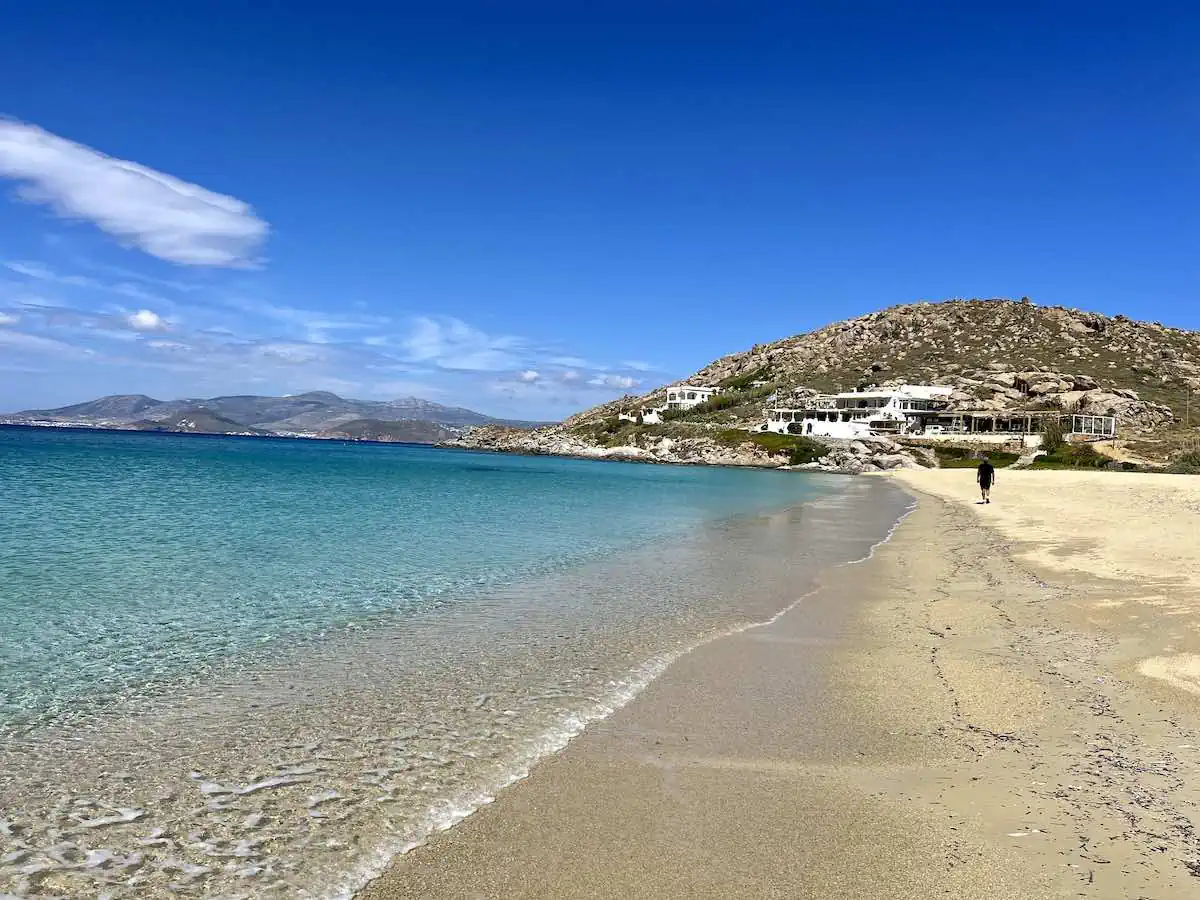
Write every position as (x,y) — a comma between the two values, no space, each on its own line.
(844,457)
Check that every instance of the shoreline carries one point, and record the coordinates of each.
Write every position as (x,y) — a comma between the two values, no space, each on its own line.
(393,739)
(950,716)
(637,682)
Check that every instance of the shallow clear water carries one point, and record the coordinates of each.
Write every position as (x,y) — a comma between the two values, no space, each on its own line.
(244,668)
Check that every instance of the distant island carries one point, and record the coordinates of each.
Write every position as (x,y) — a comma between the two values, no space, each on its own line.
(316,414)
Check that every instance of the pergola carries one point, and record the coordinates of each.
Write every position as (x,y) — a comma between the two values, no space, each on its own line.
(1024,422)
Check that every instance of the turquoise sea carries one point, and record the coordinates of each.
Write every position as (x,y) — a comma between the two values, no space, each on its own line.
(242,667)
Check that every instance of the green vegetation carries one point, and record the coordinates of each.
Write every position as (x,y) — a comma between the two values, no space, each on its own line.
(610,432)
(1080,456)
(1186,464)
(1053,437)
(745,380)
(613,432)
(963,458)
(799,450)
(726,402)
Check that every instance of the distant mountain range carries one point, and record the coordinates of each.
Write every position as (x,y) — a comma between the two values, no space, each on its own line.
(316,414)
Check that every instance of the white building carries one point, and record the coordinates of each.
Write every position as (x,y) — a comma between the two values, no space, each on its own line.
(856,414)
(924,410)
(650,415)
(685,396)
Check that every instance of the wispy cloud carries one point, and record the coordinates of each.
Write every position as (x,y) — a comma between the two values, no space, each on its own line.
(162,215)
(43,273)
(221,337)
(34,343)
(638,365)
(571,362)
(450,343)
(617,382)
(291,353)
(170,346)
(111,323)
(315,326)
(396,389)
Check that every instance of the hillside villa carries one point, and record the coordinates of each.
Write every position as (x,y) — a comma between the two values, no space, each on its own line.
(685,396)
(679,397)
(922,410)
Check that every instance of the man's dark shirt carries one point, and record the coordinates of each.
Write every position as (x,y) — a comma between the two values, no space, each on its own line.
(986,474)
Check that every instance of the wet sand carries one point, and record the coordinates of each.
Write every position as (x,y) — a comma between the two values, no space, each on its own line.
(996,704)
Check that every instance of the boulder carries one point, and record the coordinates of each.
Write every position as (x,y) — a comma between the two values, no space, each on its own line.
(895,461)
(1045,386)
(1067,399)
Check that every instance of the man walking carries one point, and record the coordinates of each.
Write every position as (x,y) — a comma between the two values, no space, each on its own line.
(985,476)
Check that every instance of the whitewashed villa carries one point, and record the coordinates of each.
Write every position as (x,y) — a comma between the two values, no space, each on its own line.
(679,396)
(922,410)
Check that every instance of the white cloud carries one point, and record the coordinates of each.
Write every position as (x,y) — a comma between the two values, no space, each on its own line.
(529,376)
(145,320)
(569,375)
(449,343)
(161,215)
(621,382)
(8,319)
(638,365)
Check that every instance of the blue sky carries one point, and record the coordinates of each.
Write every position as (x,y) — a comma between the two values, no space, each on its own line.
(530,208)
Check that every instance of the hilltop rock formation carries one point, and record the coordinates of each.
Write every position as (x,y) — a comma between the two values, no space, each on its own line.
(976,345)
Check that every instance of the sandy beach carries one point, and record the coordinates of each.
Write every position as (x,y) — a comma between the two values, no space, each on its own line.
(1003,701)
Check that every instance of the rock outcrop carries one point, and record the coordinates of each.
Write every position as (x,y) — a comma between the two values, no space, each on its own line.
(848,457)
(557,441)
(1042,389)
(869,455)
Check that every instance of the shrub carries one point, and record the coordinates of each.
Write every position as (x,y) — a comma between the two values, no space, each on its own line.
(740,382)
(1074,456)
(964,458)
(1186,464)
(798,449)
(1054,437)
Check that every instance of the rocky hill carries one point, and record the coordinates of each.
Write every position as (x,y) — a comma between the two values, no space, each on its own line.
(410,431)
(197,421)
(311,413)
(997,352)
